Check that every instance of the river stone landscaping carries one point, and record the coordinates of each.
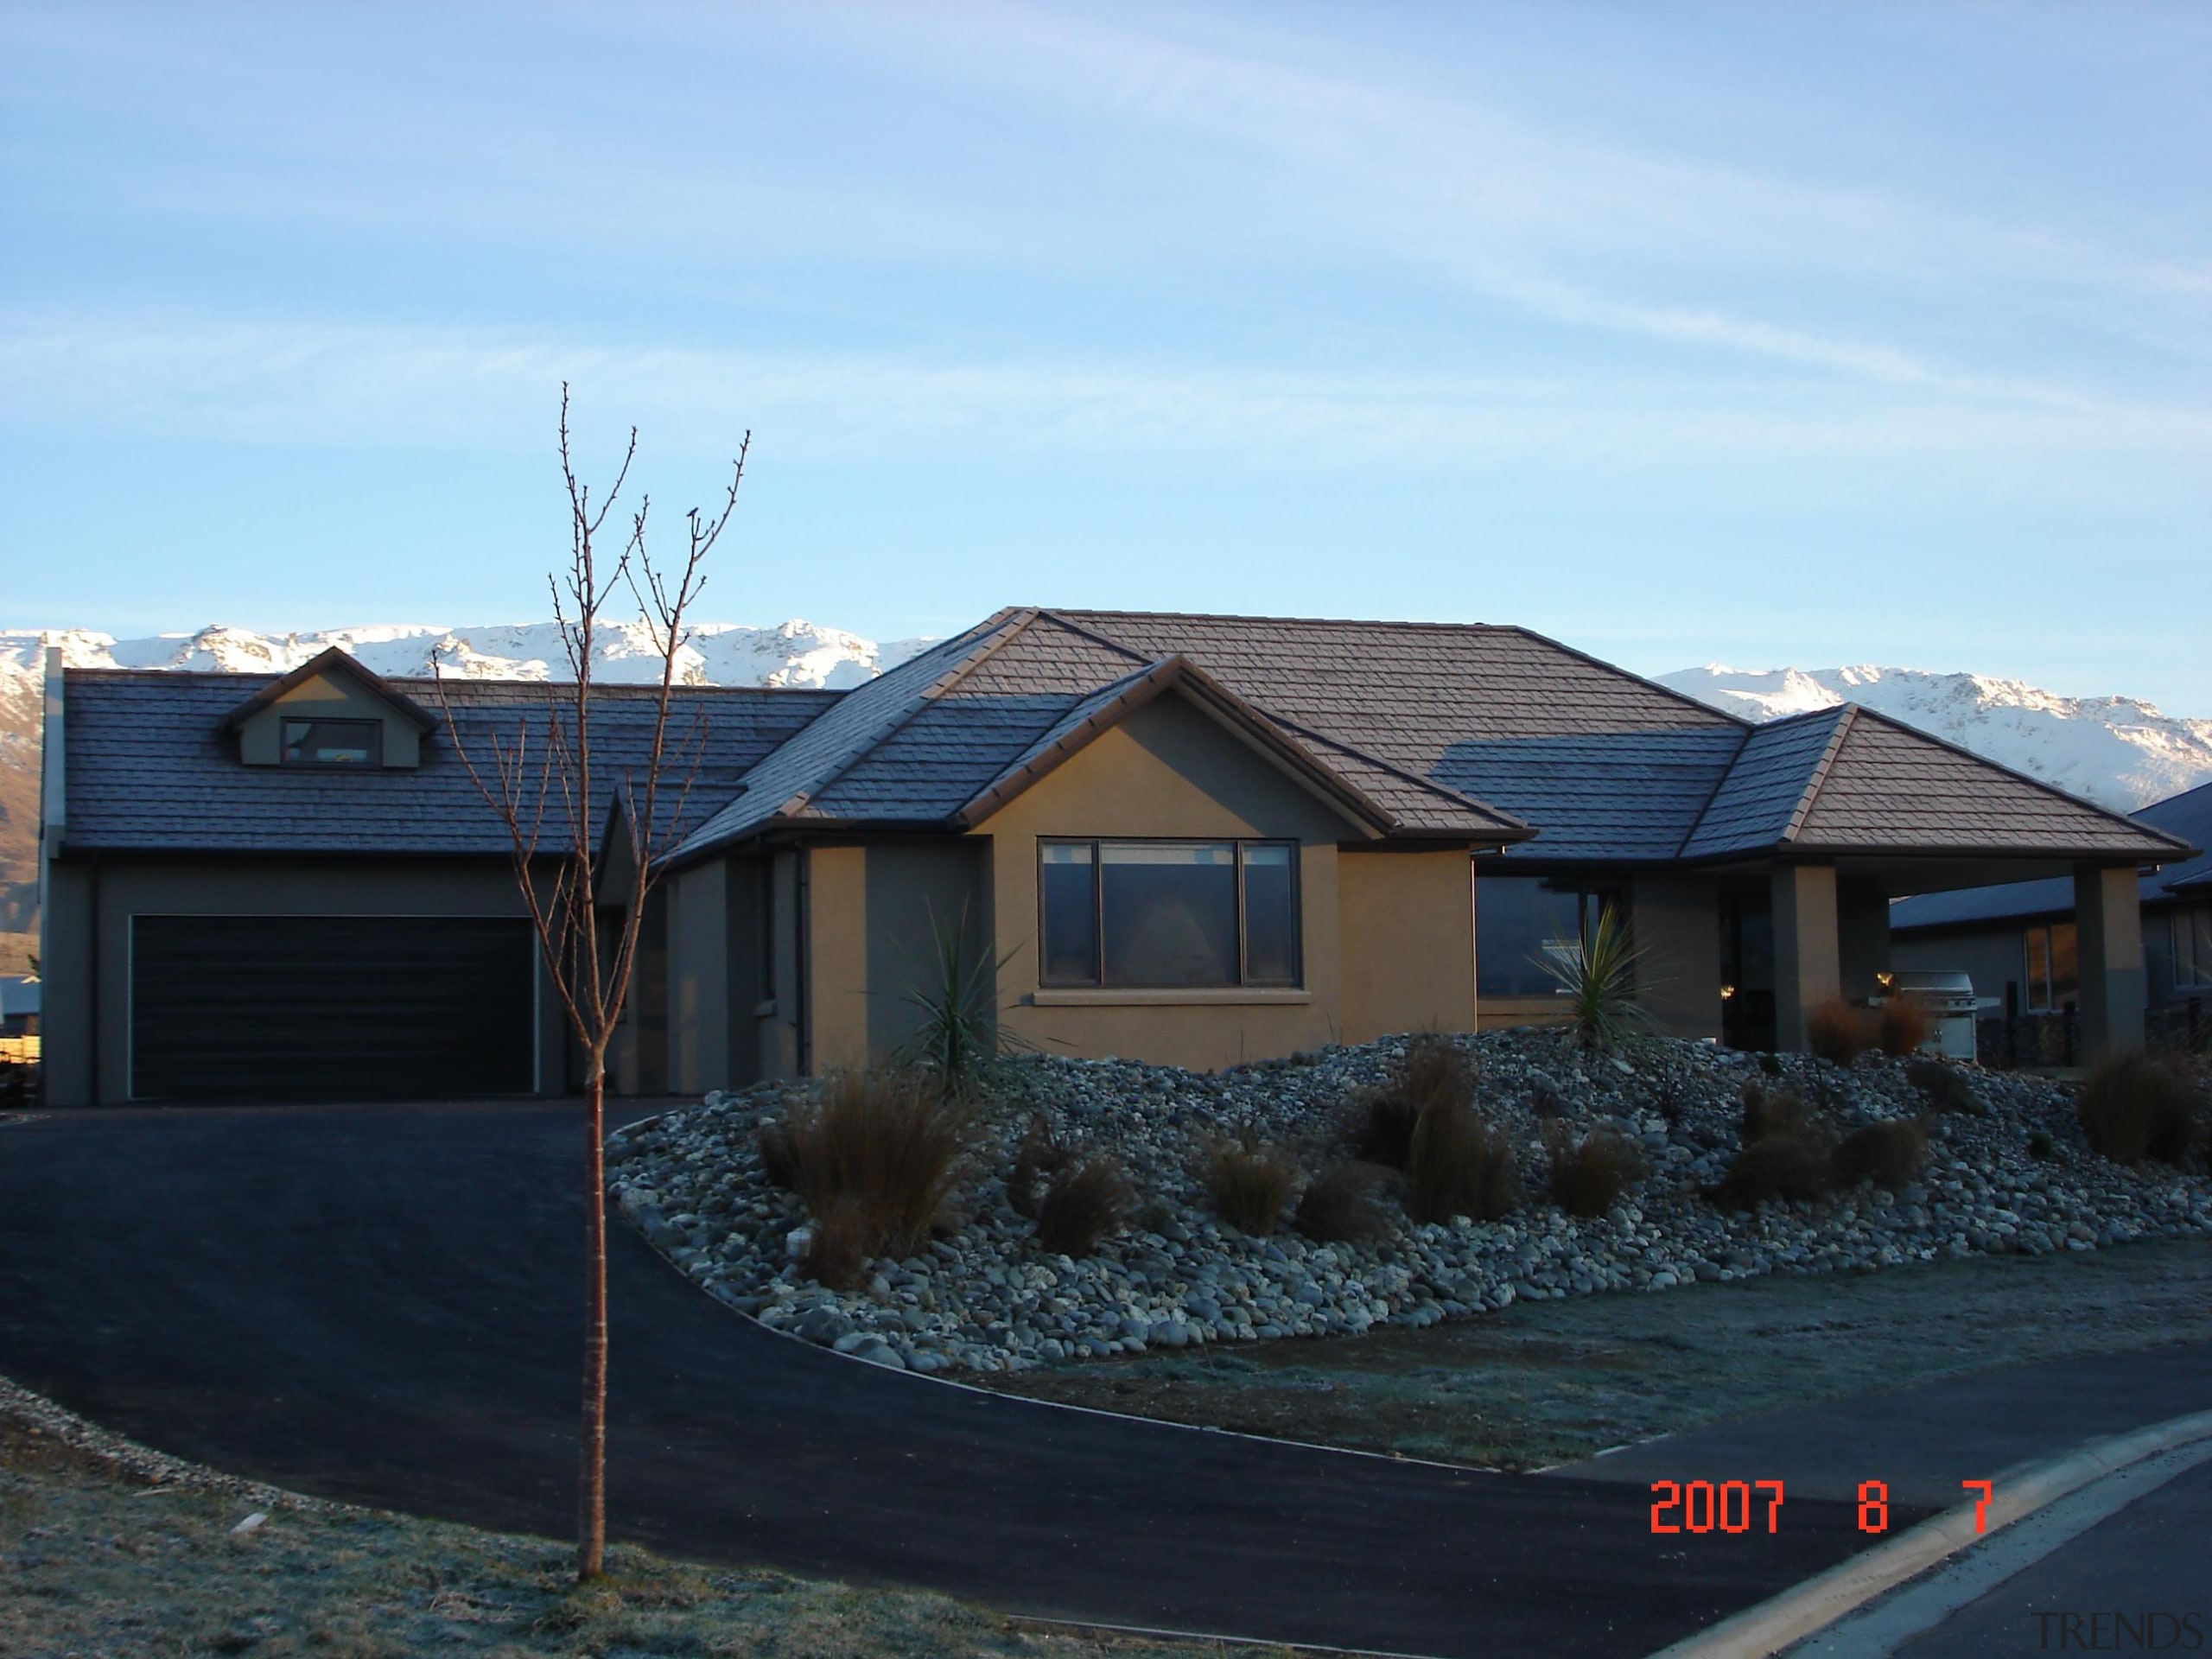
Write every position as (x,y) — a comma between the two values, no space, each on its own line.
(2008,1172)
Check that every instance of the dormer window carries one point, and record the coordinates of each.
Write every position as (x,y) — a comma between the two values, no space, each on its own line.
(334,743)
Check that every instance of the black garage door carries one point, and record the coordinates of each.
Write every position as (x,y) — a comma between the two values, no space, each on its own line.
(330,1008)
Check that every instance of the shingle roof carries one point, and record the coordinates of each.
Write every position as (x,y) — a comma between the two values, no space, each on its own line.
(1888,787)
(959,724)
(1769,785)
(2188,816)
(150,764)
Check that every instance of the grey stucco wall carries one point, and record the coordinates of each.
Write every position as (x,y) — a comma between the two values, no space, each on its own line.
(922,895)
(1676,922)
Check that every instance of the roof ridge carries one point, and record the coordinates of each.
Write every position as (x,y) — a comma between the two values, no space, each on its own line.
(1712,795)
(1820,773)
(1096,638)
(1667,692)
(1001,625)
(1396,770)
(1284,622)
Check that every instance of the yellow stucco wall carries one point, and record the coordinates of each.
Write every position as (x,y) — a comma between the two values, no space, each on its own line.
(1409,930)
(836,956)
(1169,771)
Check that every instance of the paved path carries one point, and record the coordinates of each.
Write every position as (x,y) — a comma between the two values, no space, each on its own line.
(382,1305)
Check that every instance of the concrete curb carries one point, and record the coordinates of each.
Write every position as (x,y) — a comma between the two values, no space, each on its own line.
(1820,1601)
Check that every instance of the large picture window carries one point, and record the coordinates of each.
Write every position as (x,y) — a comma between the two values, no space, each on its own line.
(1522,921)
(1168,914)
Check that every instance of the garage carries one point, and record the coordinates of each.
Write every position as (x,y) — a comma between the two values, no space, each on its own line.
(331,1008)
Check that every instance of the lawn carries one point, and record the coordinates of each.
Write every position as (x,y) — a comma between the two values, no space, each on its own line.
(1547,1383)
(98,1558)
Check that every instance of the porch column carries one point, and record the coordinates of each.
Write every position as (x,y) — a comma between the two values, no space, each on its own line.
(2108,916)
(1808,956)
(1677,924)
(1863,935)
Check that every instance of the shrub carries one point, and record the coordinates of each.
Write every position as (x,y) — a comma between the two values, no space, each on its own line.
(1250,1183)
(1945,1086)
(1791,1163)
(1904,1025)
(1039,1156)
(1154,1216)
(778,1162)
(1338,1207)
(884,1144)
(1765,1114)
(1888,1154)
(1086,1200)
(1460,1166)
(2041,1146)
(2134,1107)
(957,1036)
(1432,1069)
(1597,978)
(837,1249)
(1837,1031)
(1589,1175)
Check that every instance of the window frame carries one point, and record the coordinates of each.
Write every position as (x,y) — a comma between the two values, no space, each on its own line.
(285,756)
(1237,846)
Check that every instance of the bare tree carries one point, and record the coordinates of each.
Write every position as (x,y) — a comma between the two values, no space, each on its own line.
(576,819)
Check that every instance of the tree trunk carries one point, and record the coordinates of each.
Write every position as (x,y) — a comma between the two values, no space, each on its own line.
(591,1495)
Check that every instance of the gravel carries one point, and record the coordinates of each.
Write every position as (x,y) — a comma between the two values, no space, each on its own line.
(984,1298)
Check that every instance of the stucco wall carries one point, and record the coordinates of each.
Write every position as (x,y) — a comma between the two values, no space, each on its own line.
(1676,922)
(81,1038)
(1408,924)
(922,897)
(837,956)
(1169,771)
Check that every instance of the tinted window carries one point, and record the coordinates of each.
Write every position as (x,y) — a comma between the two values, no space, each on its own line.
(1520,923)
(1170,913)
(1270,916)
(1069,899)
(334,743)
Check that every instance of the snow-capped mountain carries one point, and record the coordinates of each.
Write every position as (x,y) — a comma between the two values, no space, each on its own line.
(2116,751)
(718,654)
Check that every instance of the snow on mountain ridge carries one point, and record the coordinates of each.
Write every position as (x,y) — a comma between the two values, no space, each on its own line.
(2119,751)
(793,653)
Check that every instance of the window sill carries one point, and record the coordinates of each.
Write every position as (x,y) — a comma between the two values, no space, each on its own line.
(1190,996)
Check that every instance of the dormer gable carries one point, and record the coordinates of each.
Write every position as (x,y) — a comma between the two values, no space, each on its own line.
(333,714)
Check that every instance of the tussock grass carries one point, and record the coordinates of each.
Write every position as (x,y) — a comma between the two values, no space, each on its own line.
(1460,1166)
(1085,1199)
(1794,1163)
(1434,1071)
(1249,1183)
(1945,1086)
(2136,1107)
(880,1147)
(1338,1207)
(1766,1113)
(1904,1025)
(1838,1032)
(1589,1175)
(1890,1154)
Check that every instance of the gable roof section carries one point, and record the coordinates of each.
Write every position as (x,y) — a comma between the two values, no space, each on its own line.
(151,767)
(948,737)
(333,660)
(1889,787)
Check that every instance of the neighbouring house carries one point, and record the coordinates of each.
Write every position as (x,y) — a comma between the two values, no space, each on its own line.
(2021,944)
(1200,840)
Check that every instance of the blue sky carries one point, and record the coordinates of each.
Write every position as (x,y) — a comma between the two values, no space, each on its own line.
(1751,333)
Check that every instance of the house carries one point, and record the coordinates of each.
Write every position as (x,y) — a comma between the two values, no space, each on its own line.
(2021,944)
(1192,839)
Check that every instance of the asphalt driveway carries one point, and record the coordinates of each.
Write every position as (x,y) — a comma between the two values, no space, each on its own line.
(382,1305)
